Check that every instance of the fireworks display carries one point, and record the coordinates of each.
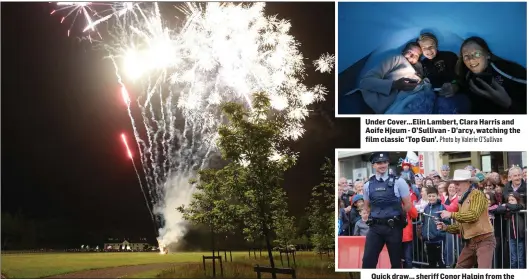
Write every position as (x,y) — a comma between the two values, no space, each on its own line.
(178,77)
(93,13)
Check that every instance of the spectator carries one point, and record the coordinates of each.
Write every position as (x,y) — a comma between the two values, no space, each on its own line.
(428,182)
(345,216)
(433,238)
(407,232)
(359,187)
(488,184)
(342,185)
(419,180)
(517,229)
(471,169)
(354,215)
(481,180)
(451,204)
(493,204)
(434,175)
(445,172)
(524,174)
(517,184)
(341,213)
(504,177)
(423,201)
(443,191)
(496,179)
(361,227)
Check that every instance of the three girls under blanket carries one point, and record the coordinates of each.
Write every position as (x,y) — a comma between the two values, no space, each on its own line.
(443,83)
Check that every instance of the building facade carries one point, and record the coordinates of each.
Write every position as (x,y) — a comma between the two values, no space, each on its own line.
(486,161)
(355,165)
(116,244)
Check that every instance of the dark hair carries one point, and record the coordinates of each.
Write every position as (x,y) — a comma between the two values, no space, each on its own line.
(426,36)
(409,46)
(492,197)
(462,70)
(427,179)
(432,190)
(489,180)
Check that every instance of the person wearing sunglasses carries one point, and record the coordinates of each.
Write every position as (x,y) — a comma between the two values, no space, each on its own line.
(495,85)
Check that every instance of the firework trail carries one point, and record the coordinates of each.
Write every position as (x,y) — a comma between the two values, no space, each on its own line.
(218,53)
(139,179)
(94,13)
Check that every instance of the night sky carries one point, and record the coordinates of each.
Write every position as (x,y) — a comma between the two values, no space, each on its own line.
(63,164)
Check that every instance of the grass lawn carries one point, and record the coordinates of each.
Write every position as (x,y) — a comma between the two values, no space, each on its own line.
(47,264)
(309,265)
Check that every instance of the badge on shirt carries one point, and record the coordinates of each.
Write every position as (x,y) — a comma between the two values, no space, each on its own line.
(440,65)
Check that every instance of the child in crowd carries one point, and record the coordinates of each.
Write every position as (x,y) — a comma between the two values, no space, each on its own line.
(516,229)
(407,232)
(432,237)
(423,202)
(492,205)
(361,228)
(358,205)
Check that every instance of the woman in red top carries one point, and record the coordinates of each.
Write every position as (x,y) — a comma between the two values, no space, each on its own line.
(407,232)
(453,242)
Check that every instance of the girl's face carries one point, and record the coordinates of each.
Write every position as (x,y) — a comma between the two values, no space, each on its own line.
(474,57)
(418,182)
(489,186)
(429,183)
(452,189)
(512,200)
(498,189)
(423,193)
(441,188)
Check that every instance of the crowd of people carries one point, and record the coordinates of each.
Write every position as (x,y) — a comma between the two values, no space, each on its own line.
(437,231)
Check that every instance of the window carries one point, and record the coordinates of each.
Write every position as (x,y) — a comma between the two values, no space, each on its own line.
(458,155)
(514,158)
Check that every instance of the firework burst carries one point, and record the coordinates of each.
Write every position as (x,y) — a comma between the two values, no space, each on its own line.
(92,13)
(179,76)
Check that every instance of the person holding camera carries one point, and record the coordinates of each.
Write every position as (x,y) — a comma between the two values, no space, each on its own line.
(387,201)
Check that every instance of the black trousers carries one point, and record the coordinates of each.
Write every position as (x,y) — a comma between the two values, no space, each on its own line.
(377,237)
(435,255)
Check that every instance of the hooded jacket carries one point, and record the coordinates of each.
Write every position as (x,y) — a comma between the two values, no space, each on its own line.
(407,232)
(430,233)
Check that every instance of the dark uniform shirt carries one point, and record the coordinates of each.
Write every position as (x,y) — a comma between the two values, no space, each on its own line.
(441,69)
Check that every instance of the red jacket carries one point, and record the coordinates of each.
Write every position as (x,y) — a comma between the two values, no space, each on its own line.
(407,232)
(453,207)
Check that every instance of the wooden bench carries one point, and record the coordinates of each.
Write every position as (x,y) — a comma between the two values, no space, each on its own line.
(204,258)
(265,269)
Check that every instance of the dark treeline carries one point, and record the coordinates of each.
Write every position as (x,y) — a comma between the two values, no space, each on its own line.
(22,233)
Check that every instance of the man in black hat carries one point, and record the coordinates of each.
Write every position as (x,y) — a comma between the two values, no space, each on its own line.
(387,201)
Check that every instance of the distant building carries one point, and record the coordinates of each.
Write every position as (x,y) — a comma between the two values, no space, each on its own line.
(122,244)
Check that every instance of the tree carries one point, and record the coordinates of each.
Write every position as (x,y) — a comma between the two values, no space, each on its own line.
(210,204)
(285,226)
(253,142)
(321,210)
